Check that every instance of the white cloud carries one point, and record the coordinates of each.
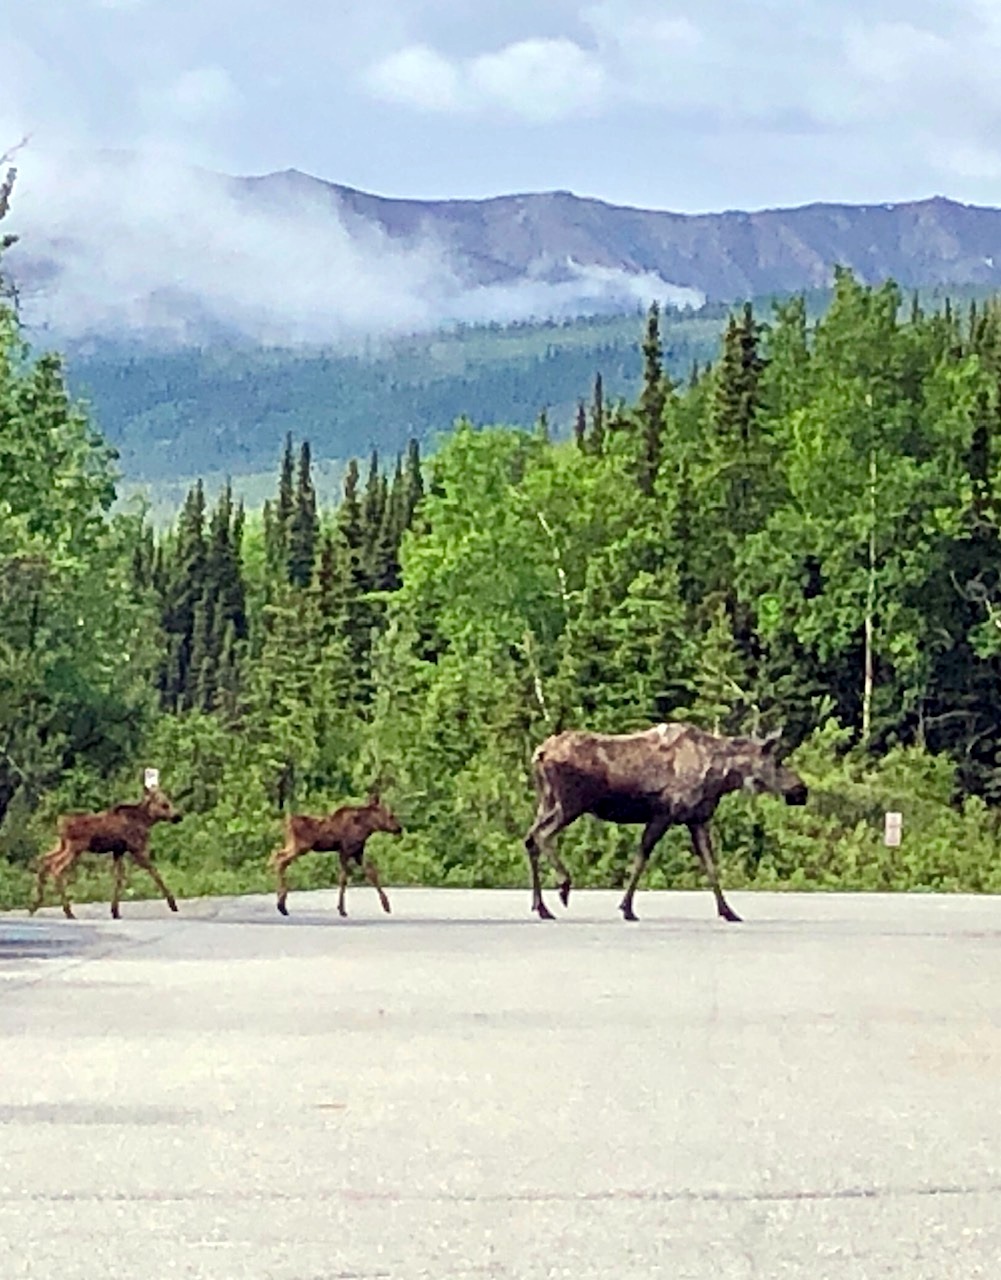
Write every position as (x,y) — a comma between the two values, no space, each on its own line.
(150,246)
(969,159)
(588,289)
(536,79)
(200,93)
(539,79)
(419,77)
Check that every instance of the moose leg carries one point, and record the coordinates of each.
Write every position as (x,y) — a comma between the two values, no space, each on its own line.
(45,869)
(702,845)
(372,875)
(280,861)
(60,873)
(143,860)
(116,893)
(342,885)
(548,822)
(652,832)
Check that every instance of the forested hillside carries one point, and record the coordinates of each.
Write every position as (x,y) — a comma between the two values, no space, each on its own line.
(806,535)
(225,410)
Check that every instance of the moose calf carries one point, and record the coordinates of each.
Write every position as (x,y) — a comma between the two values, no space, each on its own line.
(123,829)
(344,831)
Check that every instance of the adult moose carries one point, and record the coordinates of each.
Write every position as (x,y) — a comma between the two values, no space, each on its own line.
(122,831)
(668,775)
(344,831)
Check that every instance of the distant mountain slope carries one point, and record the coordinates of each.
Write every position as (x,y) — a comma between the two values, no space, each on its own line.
(721,255)
(120,244)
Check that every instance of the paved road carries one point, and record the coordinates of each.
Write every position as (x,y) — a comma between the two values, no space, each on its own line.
(461,1091)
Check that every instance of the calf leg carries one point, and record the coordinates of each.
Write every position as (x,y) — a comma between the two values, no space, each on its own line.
(116,893)
(280,860)
(61,867)
(652,832)
(45,869)
(143,860)
(342,885)
(372,875)
(704,850)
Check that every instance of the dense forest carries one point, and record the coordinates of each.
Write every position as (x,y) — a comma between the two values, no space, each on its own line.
(803,535)
(225,410)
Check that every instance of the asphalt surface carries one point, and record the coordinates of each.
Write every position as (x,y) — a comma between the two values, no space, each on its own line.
(459,1090)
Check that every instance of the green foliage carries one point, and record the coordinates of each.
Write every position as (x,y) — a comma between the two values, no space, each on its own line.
(804,535)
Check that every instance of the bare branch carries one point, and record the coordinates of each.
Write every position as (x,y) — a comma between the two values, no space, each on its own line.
(557,557)
(7,184)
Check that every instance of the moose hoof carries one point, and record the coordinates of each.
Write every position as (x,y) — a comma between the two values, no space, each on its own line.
(172,904)
(565,892)
(342,913)
(282,908)
(627,912)
(386,908)
(731,916)
(115,914)
(543,912)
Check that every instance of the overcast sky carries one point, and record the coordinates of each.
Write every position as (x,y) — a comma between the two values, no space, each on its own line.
(668,104)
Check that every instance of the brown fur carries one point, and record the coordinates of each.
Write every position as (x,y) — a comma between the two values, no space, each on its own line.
(670,774)
(344,831)
(122,830)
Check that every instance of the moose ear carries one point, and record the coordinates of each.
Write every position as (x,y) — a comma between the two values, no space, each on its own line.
(770,743)
(373,797)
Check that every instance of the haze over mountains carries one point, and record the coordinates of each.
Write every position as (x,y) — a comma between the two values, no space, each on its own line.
(120,245)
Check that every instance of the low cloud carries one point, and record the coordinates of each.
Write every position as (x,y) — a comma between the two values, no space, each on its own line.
(137,246)
(140,245)
(586,289)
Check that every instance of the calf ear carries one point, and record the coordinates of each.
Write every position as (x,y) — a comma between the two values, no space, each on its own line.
(770,743)
(373,797)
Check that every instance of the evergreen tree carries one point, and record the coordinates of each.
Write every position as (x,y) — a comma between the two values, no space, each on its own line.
(304,524)
(185,577)
(414,483)
(652,404)
(224,582)
(596,443)
(349,513)
(277,525)
(580,427)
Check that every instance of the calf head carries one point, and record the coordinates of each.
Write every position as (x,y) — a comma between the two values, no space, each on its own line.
(765,772)
(381,817)
(159,807)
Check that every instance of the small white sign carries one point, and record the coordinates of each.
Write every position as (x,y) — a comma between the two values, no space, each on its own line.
(893,829)
(151,778)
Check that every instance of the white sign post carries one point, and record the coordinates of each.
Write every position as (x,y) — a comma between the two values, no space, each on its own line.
(893,829)
(151,778)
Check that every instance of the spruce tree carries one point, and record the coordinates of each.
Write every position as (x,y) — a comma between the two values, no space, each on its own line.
(413,484)
(652,405)
(278,518)
(596,443)
(224,571)
(304,524)
(580,427)
(184,579)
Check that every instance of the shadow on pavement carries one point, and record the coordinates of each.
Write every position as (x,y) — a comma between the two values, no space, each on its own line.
(42,940)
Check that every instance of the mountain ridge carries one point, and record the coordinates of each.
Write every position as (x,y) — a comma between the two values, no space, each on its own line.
(129,245)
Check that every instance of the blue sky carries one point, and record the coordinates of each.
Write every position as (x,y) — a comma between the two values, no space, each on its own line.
(683,106)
